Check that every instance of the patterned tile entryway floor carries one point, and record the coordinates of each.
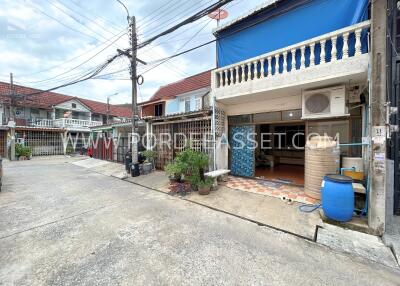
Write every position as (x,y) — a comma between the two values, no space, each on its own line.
(269,188)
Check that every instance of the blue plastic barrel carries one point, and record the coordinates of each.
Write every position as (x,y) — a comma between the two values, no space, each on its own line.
(338,197)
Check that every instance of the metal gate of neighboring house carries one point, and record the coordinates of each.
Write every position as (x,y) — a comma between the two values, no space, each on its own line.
(103,150)
(3,143)
(242,150)
(164,152)
(197,133)
(122,149)
(42,143)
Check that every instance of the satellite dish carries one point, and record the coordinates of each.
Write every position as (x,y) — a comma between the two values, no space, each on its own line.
(218,14)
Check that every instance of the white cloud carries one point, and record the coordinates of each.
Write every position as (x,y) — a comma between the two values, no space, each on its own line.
(48,43)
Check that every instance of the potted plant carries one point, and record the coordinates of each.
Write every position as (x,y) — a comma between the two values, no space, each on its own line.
(204,187)
(193,164)
(147,167)
(150,157)
(174,171)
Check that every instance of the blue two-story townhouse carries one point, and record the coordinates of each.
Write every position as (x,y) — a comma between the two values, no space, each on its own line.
(287,70)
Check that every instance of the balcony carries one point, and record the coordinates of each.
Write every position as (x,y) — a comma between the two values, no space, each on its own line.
(341,55)
(66,123)
(78,124)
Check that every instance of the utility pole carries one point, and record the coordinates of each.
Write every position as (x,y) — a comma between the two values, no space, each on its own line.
(12,119)
(378,124)
(133,58)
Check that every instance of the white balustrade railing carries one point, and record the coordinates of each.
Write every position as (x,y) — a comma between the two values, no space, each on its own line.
(69,122)
(328,48)
(40,122)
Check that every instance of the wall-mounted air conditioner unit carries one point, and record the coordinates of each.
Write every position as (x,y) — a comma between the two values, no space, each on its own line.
(322,103)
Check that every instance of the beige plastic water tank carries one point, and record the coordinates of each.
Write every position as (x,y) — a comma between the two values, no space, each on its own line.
(322,156)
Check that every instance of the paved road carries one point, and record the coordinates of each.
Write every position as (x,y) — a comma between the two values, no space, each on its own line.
(62,225)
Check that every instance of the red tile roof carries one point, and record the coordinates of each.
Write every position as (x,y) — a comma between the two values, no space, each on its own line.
(188,84)
(48,99)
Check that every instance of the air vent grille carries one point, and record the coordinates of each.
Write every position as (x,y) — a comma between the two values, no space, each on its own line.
(318,103)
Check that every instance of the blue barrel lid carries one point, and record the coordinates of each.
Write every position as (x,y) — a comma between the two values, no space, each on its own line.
(338,178)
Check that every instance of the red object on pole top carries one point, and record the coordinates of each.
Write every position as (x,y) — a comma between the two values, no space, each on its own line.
(218,14)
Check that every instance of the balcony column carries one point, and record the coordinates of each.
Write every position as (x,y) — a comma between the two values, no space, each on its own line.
(230,80)
(323,53)
(312,54)
(243,80)
(345,46)
(358,42)
(248,72)
(220,79)
(255,64)
(262,68)
(302,57)
(334,49)
(293,55)
(276,64)
(284,63)
(269,63)
(237,74)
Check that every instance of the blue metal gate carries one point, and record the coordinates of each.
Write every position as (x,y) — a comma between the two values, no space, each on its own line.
(242,150)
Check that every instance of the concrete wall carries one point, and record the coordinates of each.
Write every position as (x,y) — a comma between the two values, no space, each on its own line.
(68,106)
(266,105)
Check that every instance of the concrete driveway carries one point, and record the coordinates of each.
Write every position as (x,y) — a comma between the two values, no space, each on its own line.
(61,224)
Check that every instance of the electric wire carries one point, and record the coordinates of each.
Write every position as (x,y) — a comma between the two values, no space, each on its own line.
(73,58)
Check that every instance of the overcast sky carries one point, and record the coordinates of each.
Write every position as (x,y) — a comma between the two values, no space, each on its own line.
(42,42)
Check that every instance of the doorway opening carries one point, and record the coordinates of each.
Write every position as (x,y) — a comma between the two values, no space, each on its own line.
(280,152)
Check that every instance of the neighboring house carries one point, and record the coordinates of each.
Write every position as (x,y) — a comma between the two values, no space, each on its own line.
(177,108)
(40,117)
(49,109)
(187,95)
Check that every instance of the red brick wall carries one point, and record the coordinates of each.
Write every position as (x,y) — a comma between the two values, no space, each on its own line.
(148,110)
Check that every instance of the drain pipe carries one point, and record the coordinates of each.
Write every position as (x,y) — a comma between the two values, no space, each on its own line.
(213,130)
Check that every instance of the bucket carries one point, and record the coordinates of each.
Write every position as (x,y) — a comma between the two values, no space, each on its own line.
(338,197)
(356,163)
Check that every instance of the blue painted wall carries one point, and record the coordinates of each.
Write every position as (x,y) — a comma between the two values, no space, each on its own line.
(172,106)
(291,22)
(175,106)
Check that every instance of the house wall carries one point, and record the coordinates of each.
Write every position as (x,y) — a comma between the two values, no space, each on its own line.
(149,110)
(172,106)
(26,113)
(289,102)
(177,105)
(283,25)
(68,106)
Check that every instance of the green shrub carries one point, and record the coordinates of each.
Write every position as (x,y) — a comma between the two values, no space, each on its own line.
(192,163)
(150,154)
(21,150)
(207,183)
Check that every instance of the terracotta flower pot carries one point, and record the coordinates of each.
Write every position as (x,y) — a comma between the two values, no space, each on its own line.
(204,190)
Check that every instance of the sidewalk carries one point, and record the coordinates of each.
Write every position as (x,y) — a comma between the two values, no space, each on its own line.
(261,209)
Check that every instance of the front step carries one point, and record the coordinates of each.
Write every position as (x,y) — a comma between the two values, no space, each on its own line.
(364,245)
